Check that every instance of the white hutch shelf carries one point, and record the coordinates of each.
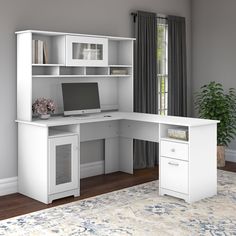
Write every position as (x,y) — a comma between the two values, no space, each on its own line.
(74,58)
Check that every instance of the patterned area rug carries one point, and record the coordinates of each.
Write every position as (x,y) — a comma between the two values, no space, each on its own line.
(135,211)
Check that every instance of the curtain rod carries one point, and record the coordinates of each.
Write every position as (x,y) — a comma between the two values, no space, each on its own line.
(134,14)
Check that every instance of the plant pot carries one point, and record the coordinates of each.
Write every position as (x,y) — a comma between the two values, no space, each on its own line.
(220,156)
(44,116)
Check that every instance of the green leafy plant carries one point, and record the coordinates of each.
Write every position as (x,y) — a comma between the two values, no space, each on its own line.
(212,102)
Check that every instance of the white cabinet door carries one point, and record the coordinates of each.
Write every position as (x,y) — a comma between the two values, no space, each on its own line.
(174,175)
(86,51)
(63,164)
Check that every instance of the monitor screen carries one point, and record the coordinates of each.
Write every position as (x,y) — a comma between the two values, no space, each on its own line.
(80,98)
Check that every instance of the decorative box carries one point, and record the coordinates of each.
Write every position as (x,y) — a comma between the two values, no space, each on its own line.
(119,72)
(178,133)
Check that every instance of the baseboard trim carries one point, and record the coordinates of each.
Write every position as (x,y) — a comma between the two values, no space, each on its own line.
(92,169)
(230,155)
(8,186)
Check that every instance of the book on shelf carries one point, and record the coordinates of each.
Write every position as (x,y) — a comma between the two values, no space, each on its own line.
(39,52)
(33,51)
(45,53)
(178,133)
(119,72)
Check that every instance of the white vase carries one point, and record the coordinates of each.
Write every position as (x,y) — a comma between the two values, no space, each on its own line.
(44,116)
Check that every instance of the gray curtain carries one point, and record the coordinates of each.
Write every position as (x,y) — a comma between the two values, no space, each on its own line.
(177,75)
(145,83)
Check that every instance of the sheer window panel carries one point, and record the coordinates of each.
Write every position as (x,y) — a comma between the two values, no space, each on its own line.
(162,65)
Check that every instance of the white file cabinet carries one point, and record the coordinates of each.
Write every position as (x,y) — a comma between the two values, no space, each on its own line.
(174,168)
(174,175)
(63,164)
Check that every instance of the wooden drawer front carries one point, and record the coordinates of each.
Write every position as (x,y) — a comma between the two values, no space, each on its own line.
(174,175)
(174,150)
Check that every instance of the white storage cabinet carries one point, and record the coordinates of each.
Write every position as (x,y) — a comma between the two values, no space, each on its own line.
(63,163)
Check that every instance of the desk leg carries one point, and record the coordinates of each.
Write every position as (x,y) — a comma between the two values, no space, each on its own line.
(112,155)
(126,155)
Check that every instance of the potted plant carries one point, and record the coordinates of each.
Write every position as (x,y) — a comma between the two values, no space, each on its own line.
(43,107)
(212,102)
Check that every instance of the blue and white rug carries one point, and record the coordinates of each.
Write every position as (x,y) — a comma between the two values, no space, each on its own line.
(138,211)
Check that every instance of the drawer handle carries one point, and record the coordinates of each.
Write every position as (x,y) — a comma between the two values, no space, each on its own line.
(173,163)
(172,150)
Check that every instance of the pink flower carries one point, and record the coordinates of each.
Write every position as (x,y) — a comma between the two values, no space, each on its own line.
(43,106)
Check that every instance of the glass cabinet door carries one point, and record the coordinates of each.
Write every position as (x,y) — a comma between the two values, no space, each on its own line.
(63,164)
(63,161)
(86,51)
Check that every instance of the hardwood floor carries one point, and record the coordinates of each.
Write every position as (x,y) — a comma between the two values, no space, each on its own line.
(229,166)
(18,204)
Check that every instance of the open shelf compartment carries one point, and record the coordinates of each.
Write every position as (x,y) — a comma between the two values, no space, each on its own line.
(45,70)
(52,47)
(72,71)
(174,133)
(96,70)
(64,130)
(120,52)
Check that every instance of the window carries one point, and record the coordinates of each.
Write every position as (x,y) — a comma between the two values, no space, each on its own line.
(162,65)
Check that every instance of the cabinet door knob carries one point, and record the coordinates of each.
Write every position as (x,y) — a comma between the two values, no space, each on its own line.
(172,149)
(173,163)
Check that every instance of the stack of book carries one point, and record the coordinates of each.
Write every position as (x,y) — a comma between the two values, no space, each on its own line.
(178,133)
(39,52)
(119,72)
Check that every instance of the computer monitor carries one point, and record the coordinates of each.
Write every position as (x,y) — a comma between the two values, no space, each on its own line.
(80,98)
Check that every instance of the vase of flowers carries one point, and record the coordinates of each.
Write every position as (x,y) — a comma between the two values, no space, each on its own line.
(43,107)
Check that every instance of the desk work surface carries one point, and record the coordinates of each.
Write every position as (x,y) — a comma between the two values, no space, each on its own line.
(108,116)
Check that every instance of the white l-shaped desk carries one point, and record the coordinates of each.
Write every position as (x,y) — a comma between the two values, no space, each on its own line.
(187,168)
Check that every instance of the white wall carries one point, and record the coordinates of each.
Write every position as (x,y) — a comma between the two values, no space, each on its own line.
(214,44)
(109,17)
